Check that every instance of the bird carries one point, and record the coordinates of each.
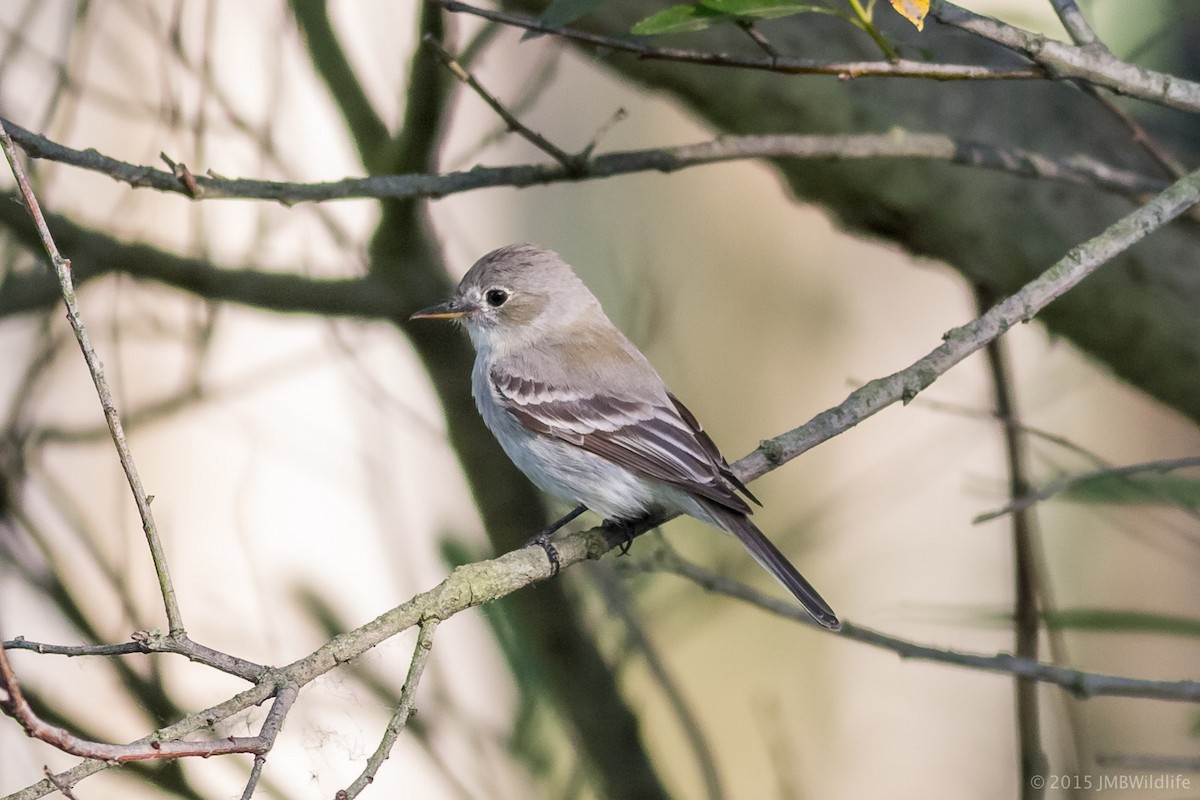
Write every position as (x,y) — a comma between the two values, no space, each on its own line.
(581,411)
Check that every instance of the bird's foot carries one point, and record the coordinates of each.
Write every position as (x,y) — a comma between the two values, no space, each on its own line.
(542,540)
(628,529)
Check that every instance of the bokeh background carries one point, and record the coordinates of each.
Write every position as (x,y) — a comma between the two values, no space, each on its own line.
(299,464)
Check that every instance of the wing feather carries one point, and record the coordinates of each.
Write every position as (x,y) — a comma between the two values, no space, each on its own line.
(656,440)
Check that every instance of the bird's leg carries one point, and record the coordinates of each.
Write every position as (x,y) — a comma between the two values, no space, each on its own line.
(542,539)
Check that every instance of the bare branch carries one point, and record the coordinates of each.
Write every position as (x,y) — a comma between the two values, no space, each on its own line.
(897,143)
(1082,684)
(757,36)
(62,268)
(149,642)
(61,787)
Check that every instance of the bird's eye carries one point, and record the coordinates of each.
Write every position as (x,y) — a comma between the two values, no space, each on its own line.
(496,297)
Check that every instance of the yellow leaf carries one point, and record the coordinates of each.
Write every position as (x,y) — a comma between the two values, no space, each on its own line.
(912,10)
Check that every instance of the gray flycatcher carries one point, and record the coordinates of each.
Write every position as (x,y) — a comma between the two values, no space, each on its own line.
(579,409)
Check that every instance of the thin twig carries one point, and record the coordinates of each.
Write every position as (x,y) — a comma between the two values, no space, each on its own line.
(1026,577)
(1082,33)
(757,36)
(569,162)
(404,709)
(269,731)
(1027,500)
(256,769)
(900,68)
(541,76)
(1076,24)
(618,116)
(62,268)
(1082,684)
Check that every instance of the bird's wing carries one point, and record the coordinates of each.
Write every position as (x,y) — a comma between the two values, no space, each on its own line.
(710,447)
(653,439)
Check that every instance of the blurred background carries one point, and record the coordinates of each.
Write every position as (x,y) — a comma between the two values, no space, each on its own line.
(303,481)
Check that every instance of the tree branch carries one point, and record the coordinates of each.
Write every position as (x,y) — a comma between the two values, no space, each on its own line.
(896,143)
(1082,684)
(147,642)
(415,147)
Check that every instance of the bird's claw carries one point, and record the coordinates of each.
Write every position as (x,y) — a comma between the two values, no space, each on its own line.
(626,528)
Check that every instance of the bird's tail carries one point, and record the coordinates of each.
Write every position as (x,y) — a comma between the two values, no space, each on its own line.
(774,562)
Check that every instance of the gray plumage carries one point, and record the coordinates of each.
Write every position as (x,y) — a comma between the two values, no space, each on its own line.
(580,410)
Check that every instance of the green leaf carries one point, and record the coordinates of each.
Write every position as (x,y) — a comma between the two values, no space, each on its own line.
(564,12)
(678,19)
(1141,489)
(762,9)
(698,16)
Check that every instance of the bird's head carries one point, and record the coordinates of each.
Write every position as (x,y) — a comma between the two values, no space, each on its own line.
(514,295)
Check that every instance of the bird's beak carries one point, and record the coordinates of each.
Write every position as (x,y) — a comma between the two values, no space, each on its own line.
(451,309)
